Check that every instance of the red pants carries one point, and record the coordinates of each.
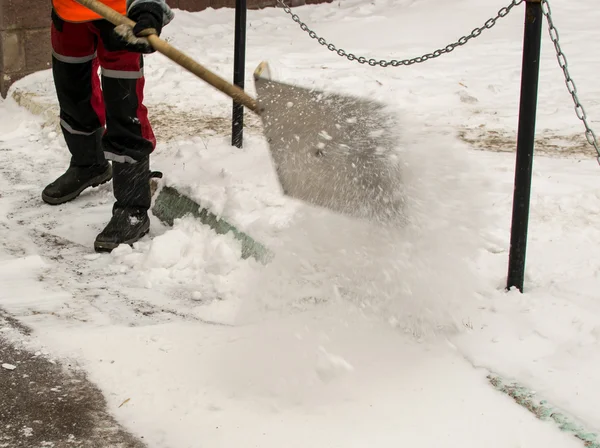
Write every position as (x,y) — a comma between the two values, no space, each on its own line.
(101,118)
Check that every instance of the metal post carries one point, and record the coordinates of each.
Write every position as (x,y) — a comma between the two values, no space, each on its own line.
(239,67)
(525,142)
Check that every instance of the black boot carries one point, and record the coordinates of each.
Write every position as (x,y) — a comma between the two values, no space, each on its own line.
(130,221)
(73,181)
(88,167)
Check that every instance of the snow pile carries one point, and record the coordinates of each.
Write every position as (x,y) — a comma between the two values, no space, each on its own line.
(179,254)
(192,258)
(239,185)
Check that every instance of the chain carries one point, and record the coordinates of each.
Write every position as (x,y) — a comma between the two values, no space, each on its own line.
(503,12)
(395,63)
(562,62)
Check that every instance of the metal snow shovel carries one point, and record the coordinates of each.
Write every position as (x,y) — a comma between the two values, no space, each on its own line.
(331,150)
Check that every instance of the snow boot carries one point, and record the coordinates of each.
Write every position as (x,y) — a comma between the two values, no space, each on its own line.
(73,181)
(130,220)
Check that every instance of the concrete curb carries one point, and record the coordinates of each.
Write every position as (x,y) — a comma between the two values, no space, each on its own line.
(31,102)
(543,410)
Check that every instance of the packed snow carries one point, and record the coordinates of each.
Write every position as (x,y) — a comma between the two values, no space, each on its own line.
(353,335)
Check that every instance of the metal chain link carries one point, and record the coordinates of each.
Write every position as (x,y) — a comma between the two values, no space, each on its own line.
(503,12)
(395,63)
(562,62)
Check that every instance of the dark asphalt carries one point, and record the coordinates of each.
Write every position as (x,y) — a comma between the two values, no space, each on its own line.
(49,404)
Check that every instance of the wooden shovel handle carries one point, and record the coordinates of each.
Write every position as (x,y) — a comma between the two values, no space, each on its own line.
(175,55)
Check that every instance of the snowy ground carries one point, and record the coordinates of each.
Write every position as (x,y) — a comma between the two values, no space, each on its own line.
(351,337)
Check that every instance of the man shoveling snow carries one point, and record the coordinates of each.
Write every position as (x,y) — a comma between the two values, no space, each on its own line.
(108,124)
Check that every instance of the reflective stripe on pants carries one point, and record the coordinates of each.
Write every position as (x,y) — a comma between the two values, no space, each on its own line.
(86,108)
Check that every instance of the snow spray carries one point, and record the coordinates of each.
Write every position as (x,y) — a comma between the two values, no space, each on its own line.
(418,275)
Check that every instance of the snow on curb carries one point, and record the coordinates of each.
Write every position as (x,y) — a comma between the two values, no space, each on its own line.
(31,102)
(543,410)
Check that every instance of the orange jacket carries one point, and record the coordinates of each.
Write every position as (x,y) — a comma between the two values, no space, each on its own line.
(71,11)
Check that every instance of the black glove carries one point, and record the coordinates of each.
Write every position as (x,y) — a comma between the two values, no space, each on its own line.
(146,15)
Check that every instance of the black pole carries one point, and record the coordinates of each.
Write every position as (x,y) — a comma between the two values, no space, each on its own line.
(239,67)
(532,43)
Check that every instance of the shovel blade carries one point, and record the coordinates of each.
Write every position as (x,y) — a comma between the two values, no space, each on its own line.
(330,150)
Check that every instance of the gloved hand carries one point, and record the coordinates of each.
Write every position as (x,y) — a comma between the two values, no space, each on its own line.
(148,16)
